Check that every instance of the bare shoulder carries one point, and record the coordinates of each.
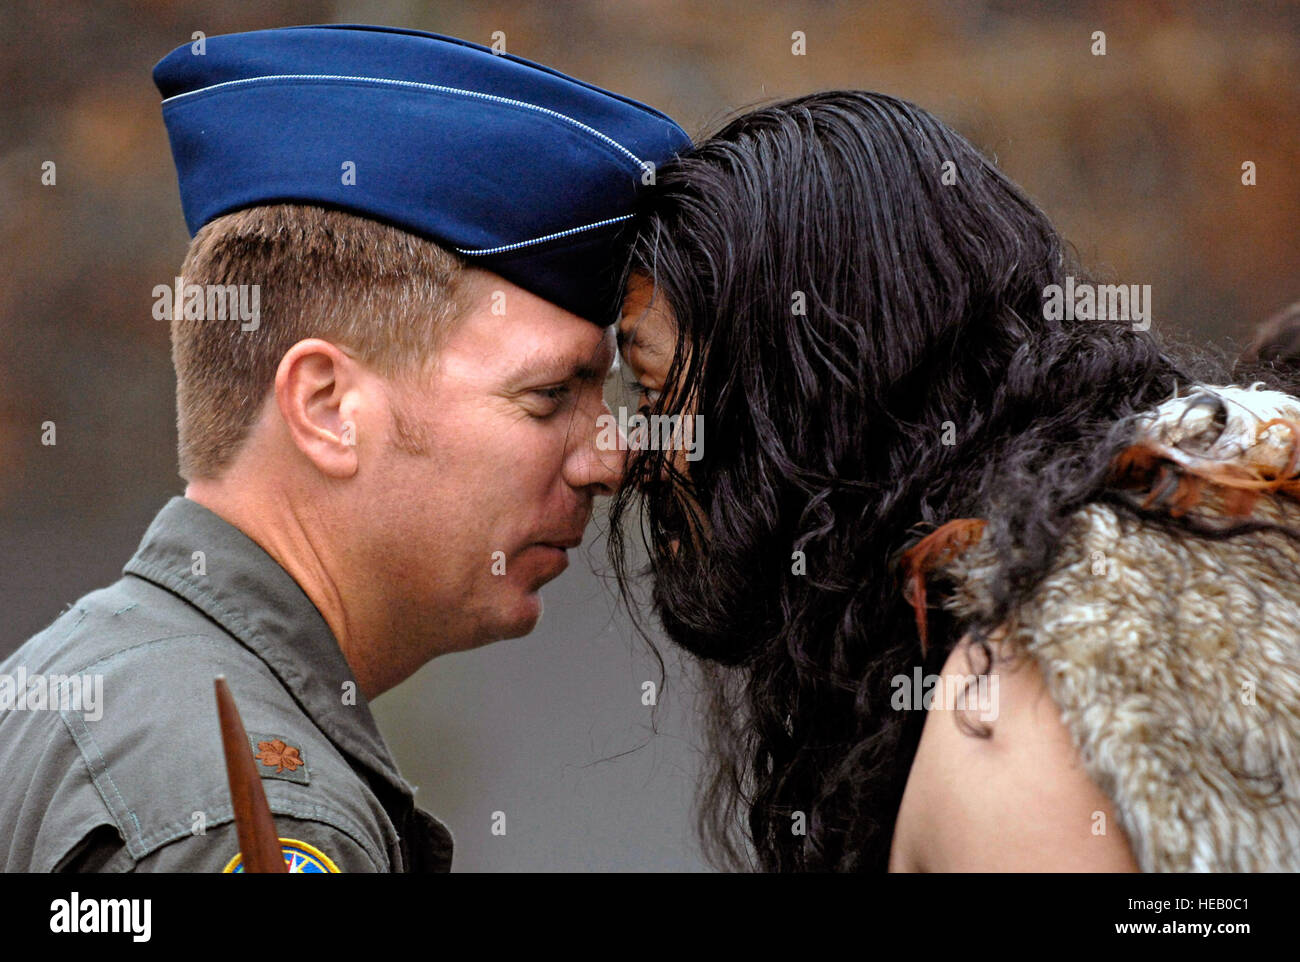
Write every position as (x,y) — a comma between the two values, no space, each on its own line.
(1018,800)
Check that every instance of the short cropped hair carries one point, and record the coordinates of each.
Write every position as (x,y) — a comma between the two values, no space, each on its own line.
(386,295)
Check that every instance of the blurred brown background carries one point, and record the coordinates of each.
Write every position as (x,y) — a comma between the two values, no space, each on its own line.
(1137,155)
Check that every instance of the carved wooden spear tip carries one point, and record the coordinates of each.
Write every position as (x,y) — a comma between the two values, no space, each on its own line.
(259,843)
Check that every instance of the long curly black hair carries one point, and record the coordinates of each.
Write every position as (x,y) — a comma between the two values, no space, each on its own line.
(859,299)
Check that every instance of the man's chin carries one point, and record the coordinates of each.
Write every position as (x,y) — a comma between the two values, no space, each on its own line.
(544,565)
(519,614)
(523,618)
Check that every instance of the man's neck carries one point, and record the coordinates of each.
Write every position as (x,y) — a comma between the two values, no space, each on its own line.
(271,520)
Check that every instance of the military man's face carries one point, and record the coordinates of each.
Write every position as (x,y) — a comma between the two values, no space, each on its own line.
(489,481)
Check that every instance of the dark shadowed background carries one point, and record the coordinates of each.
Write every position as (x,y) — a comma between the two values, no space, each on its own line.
(1137,155)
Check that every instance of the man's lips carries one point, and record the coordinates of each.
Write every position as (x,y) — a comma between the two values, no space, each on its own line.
(557,555)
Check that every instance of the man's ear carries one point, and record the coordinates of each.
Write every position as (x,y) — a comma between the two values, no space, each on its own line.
(318,391)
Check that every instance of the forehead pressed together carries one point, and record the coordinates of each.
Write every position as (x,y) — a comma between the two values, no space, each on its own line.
(646,332)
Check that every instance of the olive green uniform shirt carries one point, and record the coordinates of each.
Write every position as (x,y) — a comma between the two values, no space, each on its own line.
(138,783)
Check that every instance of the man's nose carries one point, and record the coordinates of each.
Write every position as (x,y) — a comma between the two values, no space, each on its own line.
(597,459)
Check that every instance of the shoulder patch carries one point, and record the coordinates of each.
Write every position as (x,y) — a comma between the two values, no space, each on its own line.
(278,757)
(300,857)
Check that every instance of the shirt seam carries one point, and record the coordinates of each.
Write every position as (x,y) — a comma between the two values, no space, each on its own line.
(70,720)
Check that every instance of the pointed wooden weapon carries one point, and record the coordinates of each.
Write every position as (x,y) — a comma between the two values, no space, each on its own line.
(259,843)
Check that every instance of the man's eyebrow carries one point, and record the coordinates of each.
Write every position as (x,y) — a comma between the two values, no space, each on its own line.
(546,366)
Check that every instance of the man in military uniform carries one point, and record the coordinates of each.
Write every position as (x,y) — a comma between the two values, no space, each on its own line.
(386,459)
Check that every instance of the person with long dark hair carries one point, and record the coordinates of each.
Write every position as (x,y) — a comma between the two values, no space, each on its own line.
(919,465)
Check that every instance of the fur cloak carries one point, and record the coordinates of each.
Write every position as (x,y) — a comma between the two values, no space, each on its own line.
(1175,658)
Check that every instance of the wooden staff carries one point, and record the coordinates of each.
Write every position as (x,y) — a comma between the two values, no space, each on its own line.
(259,843)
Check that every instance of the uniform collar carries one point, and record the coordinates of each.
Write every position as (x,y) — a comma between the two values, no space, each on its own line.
(246,591)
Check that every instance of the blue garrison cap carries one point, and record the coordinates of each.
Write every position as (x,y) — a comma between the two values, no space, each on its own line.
(518,168)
